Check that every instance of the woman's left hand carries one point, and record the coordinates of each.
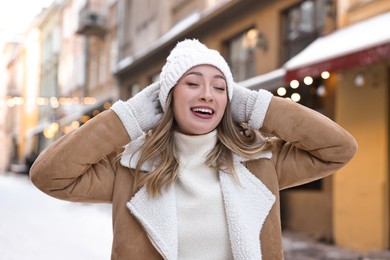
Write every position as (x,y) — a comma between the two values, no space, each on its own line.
(250,106)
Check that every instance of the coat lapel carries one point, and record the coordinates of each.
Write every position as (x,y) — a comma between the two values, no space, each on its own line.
(158,217)
(246,205)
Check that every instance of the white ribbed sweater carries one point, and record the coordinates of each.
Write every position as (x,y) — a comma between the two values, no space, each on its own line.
(202,226)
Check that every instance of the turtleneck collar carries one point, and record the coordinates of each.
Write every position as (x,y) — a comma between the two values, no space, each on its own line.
(195,145)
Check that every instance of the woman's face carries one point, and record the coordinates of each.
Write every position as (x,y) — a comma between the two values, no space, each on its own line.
(199,100)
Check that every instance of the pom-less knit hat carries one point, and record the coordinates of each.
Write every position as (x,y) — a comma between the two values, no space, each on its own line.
(186,55)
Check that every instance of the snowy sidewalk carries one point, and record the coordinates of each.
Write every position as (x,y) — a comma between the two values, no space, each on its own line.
(34,226)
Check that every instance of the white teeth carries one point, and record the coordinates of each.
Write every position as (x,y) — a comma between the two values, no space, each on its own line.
(203,110)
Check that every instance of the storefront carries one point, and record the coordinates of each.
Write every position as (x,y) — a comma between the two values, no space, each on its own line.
(357,61)
(38,138)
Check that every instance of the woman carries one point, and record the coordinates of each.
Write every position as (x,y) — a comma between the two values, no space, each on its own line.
(185,167)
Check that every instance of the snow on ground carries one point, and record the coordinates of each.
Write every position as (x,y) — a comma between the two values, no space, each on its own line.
(36,226)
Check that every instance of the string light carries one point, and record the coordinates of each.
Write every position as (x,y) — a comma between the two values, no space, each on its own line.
(321,91)
(10,102)
(359,80)
(308,80)
(325,75)
(294,84)
(85,118)
(75,124)
(51,130)
(54,102)
(281,91)
(295,97)
(107,105)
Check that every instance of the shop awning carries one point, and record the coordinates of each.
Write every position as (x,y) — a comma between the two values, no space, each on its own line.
(359,44)
(78,114)
(269,81)
(69,118)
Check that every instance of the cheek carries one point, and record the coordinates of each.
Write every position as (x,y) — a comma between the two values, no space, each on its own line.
(223,106)
(178,109)
(223,103)
(175,100)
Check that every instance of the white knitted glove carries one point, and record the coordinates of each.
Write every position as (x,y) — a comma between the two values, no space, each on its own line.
(249,106)
(140,113)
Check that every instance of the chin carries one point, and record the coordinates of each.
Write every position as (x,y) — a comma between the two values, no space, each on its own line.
(203,131)
(195,131)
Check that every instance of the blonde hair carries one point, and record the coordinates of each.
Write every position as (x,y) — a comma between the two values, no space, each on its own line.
(159,148)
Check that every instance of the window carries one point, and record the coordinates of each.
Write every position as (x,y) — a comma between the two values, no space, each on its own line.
(242,54)
(303,23)
(93,71)
(102,65)
(113,53)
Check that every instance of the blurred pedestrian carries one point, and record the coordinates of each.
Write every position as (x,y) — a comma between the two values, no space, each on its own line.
(193,164)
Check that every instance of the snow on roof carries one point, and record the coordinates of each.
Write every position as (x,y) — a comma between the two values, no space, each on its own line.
(362,35)
(269,81)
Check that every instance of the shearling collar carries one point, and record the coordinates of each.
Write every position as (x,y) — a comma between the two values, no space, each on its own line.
(246,205)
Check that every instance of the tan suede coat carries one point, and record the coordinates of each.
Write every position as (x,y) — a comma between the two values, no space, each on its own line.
(83,166)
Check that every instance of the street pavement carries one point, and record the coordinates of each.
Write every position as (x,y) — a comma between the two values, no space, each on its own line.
(300,247)
(34,226)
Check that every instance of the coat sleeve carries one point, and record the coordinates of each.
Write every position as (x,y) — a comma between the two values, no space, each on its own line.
(311,146)
(80,166)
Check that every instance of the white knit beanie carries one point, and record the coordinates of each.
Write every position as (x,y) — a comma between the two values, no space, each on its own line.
(186,55)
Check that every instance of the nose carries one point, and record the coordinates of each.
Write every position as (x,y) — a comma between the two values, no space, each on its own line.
(206,94)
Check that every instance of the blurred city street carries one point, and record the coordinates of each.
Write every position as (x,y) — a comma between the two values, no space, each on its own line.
(64,63)
(34,226)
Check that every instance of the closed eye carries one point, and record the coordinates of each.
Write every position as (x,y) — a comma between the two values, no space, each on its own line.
(192,84)
(220,88)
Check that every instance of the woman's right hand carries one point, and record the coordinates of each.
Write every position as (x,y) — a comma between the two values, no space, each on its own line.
(140,113)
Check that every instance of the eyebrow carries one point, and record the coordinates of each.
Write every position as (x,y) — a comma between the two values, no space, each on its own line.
(197,73)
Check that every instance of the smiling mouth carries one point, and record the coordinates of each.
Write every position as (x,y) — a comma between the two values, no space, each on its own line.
(203,111)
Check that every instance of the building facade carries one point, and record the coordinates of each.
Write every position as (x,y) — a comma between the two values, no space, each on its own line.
(11,109)
(361,195)
(57,78)
(78,50)
(32,56)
